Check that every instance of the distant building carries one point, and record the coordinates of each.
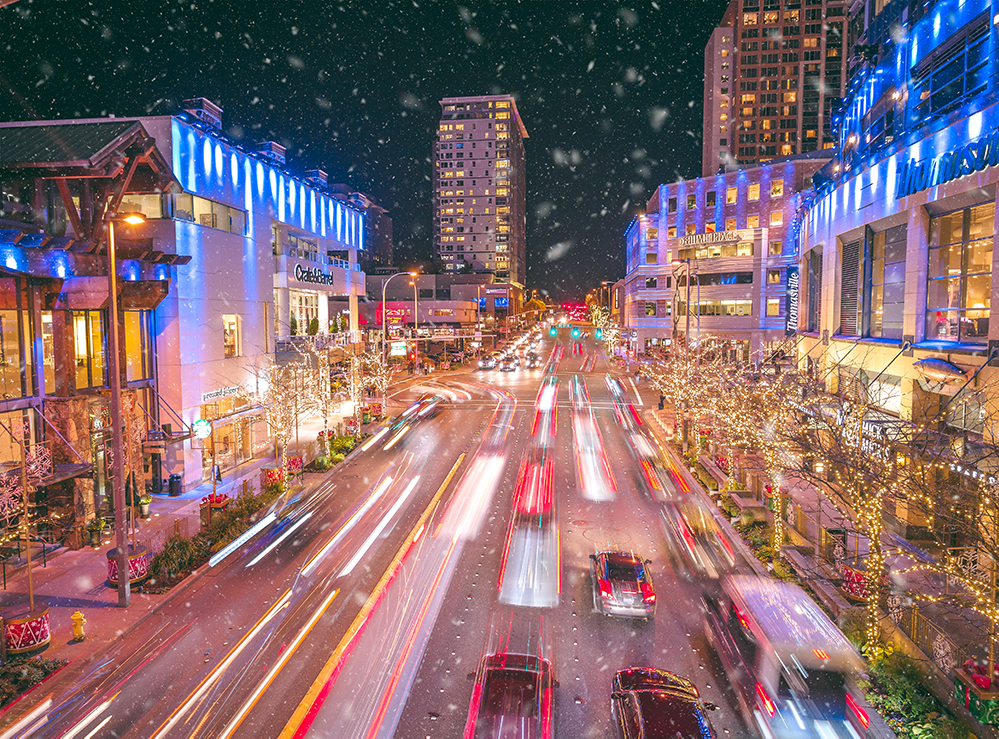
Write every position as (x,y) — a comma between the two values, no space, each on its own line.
(787,74)
(480,187)
(377,252)
(734,238)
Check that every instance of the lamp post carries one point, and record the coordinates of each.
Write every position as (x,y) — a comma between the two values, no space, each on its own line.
(117,437)
(416,325)
(385,328)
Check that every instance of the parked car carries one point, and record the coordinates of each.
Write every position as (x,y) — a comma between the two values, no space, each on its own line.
(793,670)
(622,585)
(648,703)
(512,697)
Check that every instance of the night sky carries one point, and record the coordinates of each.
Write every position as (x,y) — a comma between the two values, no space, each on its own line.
(611,95)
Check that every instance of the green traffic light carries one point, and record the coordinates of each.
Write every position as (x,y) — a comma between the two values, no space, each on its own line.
(599,334)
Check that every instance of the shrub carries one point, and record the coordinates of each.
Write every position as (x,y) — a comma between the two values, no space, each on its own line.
(20,674)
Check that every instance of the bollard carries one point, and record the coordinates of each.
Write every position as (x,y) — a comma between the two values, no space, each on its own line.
(78,622)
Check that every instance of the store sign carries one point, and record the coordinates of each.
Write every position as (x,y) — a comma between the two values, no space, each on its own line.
(397,349)
(202,428)
(716,237)
(950,165)
(312,275)
(791,301)
(222,392)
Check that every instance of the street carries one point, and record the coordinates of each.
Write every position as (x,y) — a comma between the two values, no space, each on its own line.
(385,582)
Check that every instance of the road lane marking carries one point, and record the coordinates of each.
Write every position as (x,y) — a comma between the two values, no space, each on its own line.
(211,678)
(301,720)
(278,666)
(638,395)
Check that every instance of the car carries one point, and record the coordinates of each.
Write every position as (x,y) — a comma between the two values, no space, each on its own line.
(508,364)
(533,361)
(487,362)
(622,585)
(648,703)
(512,697)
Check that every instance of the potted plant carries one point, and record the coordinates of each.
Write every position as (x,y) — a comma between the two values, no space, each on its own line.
(94,527)
(144,503)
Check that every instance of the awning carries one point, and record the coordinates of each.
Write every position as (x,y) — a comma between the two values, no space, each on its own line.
(91,293)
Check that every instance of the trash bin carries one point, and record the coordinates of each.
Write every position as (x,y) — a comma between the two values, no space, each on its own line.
(174,485)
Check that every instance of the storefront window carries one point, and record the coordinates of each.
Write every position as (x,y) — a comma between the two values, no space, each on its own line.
(304,308)
(887,273)
(960,275)
(151,206)
(138,360)
(88,339)
(10,356)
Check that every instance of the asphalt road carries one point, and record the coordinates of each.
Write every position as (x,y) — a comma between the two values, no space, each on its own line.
(362,608)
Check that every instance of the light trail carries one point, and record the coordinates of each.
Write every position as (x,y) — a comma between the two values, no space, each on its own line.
(242,539)
(379,528)
(281,538)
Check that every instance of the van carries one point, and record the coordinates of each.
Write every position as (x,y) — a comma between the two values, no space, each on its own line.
(791,668)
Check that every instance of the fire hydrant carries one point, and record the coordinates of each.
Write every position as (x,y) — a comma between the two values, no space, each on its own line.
(78,622)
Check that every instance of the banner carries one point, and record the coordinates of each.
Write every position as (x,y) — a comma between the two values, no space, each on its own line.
(791,301)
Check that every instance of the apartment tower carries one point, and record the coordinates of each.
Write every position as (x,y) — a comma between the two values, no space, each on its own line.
(789,69)
(479,187)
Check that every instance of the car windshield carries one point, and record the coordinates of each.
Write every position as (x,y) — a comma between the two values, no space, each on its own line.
(627,572)
(667,717)
(510,693)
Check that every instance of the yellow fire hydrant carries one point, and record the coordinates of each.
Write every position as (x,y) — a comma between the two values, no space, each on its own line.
(78,621)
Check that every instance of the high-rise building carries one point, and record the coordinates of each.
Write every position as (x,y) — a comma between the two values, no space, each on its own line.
(788,72)
(480,219)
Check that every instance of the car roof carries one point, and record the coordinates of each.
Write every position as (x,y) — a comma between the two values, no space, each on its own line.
(650,678)
(622,559)
(668,716)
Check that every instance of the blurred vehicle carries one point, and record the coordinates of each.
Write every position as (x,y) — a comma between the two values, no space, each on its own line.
(698,544)
(648,703)
(487,362)
(430,405)
(622,585)
(529,567)
(533,361)
(512,697)
(792,669)
(592,468)
(533,494)
(508,364)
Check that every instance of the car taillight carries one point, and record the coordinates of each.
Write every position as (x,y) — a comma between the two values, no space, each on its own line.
(648,594)
(605,590)
(859,712)
(768,704)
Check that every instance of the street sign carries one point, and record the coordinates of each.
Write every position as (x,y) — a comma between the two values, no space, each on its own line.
(398,349)
(202,428)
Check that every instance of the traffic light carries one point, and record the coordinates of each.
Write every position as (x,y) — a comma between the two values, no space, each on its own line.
(552,331)
(575,333)
(599,335)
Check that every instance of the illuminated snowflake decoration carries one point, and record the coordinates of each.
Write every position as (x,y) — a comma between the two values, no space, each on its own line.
(969,564)
(38,461)
(894,603)
(839,554)
(790,513)
(10,497)
(943,653)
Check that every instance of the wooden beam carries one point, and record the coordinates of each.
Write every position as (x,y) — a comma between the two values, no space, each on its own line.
(111,204)
(74,214)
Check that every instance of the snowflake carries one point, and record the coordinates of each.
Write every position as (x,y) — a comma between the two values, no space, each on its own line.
(943,653)
(790,513)
(969,564)
(839,554)
(38,461)
(10,497)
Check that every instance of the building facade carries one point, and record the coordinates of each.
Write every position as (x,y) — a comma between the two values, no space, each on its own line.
(719,76)
(479,181)
(726,246)
(899,249)
(787,74)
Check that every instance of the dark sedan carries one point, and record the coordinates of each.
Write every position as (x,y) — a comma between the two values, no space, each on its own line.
(512,698)
(647,703)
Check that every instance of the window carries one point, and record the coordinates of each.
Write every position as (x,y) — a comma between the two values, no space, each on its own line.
(671,205)
(773,277)
(754,191)
(690,229)
(230,335)
(650,308)
(691,202)
(776,248)
(151,206)
(960,275)
(88,338)
(709,227)
(776,188)
(753,222)
(887,283)
(651,258)
(773,306)
(731,195)
(720,308)
(750,19)
(187,207)
(709,199)
(954,72)
(651,283)
(730,224)
(138,346)
(776,218)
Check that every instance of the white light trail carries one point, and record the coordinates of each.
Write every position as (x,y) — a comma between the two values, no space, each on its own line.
(277,541)
(378,529)
(347,526)
(242,539)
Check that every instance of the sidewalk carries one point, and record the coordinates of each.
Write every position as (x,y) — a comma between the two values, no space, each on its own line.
(77,580)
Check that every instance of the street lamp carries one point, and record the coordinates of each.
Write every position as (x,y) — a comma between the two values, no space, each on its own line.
(117,440)
(416,324)
(385,327)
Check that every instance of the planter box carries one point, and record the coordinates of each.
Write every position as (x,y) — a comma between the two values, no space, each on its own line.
(982,704)
(270,475)
(138,564)
(26,632)
(295,465)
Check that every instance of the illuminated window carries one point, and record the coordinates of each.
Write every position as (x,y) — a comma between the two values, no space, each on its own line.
(790,97)
(230,335)
(723,116)
(754,191)
(773,306)
(730,224)
(690,229)
(753,222)
(88,336)
(771,17)
(776,248)
(724,52)
(776,218)
(791,16)
(750,19)
(731,195)
(671,232)
(502,105)
(776,188)
(809,133)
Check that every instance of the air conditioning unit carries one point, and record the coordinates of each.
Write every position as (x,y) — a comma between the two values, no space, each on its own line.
(205,111)
(271,150)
